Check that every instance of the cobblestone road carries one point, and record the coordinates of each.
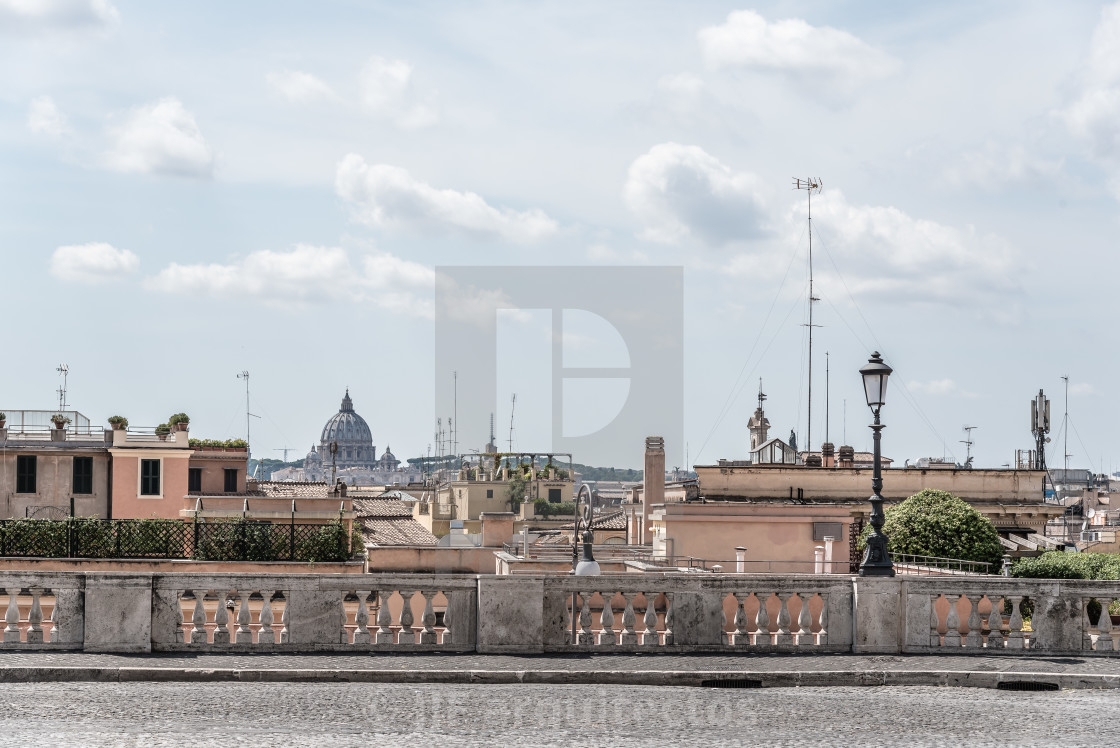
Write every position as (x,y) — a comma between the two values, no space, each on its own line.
(218,714)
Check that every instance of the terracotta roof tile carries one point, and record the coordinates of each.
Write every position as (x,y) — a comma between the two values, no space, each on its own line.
(395,531)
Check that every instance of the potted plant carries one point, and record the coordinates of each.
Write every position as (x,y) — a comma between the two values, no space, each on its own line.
(3,420)
(179,421)
(162,431)
(59,421)
(119,423)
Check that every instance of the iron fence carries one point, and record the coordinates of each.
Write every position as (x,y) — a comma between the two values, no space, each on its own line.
(238,540)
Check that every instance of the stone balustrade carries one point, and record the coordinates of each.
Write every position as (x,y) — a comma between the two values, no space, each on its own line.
(625,612)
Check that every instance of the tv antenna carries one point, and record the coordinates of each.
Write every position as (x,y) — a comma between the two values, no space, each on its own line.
(810,185)
(248,450)
(1065,429)
(512,407)
(285,450)
(967,442)
(64,370)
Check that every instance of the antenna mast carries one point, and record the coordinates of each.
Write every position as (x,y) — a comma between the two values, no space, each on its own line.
(455,414)
(967,442)
(512,407)
(248,450)
(64,370)
(810,186)
(1065,429)
(826,401)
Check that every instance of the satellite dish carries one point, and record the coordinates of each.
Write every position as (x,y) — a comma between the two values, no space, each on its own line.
(1092,512)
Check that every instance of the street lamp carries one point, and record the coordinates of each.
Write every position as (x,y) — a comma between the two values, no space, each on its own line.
(588,566)
(876,560)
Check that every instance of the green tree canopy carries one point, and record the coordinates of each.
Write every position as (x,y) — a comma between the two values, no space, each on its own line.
(937,523)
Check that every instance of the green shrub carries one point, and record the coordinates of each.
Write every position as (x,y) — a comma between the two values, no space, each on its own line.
(937,523)
(228,443)
(546,508)
(1062,565)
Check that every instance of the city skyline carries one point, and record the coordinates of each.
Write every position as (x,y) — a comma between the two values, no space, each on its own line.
(193,192)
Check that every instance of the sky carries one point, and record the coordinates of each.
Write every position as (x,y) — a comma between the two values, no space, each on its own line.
(192,190)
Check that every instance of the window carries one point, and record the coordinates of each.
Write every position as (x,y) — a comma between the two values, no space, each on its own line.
(83,475)
(25,474)
(231,480)
(554,495)
(489,493)
(194,480)
(149,477)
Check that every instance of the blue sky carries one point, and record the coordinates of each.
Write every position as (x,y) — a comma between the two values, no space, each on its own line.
(190,190)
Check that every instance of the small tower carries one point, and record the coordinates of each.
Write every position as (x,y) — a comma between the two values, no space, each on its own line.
(758,424)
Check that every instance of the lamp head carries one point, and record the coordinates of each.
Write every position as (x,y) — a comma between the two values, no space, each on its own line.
(875,374)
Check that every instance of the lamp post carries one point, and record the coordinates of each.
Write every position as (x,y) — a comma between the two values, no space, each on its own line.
(588,566)
(876,560)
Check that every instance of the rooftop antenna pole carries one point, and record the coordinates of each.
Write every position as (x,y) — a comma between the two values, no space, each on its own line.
(967,442)
(845,434)
(1065,427)
(455,413)
(245,375)
(512,407)
(811,185)
(826,394)
(64,370)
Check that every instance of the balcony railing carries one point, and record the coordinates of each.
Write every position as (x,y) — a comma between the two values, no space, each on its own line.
(651,612)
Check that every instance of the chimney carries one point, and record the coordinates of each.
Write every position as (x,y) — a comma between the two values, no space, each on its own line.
(653,482)
(497,528)
(847,457)
(828,455)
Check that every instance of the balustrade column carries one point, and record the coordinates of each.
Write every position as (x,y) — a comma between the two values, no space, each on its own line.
(606,620)
(669,637)
(198,618)
(406,634)
(805,621)
(586,636)
(266,635)
(35,618)
(221,618)
(244,617)
(361,618)
(428,635)
(1015,635)
(628,636)
(1104,628)
(54,619)
(762,638)
(995,623)
(649,637)
(972,639)
(784,635)
(286,617)
(953,623)
(742,637)
(384,618)
(11,616)
(934,622)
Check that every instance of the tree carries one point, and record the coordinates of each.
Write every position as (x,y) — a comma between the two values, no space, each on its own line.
(937,523)
(515,489)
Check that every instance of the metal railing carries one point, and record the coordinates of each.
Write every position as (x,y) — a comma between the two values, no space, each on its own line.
(911,564)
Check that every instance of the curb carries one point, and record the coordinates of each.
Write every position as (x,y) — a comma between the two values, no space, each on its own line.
(694,678)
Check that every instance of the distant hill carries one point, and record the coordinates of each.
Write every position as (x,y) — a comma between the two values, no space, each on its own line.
(607,473)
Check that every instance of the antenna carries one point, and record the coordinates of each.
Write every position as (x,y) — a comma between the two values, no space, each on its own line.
(826,377)
(1040,427)
(810,186)
(1065,428)
(248,450)
(967,442)
(512,407)
(64,370)
(761,394)
(285,450)
(455,413)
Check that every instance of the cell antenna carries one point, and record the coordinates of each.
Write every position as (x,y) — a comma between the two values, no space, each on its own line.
(810,185)
(967,442)
(64,371)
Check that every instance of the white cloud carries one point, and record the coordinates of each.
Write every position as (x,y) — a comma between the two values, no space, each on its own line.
(821,54)
(389,197)
(387,93)
(997,165)
(96,262)
(882,251)
(44,118)
(161,137)
(300,87)
(22,15)
(1093,116)
(305,274)
(680,191)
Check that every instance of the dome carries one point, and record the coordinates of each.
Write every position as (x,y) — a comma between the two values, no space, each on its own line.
(313,456)
(351,433)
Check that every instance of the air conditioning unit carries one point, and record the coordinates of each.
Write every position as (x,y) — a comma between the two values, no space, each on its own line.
(1090,537)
